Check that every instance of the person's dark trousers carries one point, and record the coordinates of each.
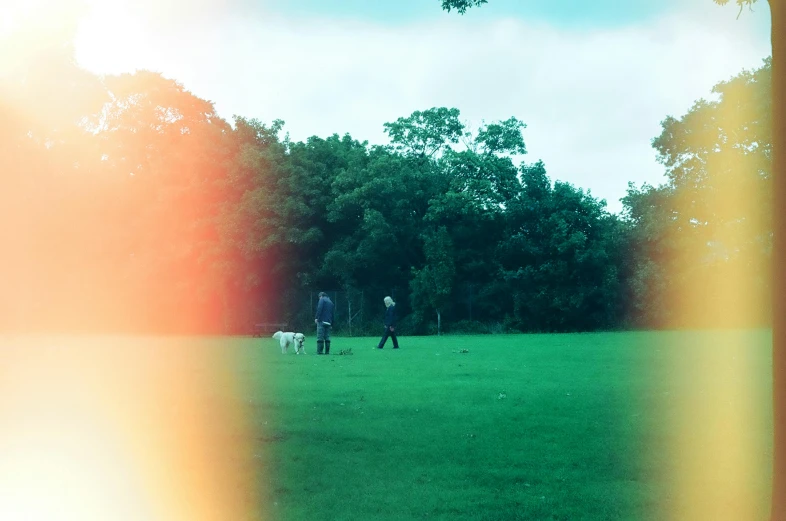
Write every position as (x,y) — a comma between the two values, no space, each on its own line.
(323,339)
(385,335)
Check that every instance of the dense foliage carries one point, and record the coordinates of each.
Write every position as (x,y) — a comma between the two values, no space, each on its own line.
(130,205)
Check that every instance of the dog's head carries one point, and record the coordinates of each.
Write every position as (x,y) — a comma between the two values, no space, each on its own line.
(299,339)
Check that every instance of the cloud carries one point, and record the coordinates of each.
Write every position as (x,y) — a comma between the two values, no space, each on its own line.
(592,99)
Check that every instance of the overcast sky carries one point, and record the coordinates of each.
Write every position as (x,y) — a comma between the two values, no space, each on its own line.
(592,80)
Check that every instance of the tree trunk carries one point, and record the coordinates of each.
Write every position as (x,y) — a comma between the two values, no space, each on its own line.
(778,12)
(439,323)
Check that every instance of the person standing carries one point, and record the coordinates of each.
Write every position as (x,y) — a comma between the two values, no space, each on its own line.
(324,321)
(389,323)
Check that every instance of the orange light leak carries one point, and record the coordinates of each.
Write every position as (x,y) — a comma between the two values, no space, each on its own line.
(720,455)
(94,428)
(121,428)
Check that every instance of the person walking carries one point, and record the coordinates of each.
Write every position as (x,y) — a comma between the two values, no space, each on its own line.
(389,323)
(324,321)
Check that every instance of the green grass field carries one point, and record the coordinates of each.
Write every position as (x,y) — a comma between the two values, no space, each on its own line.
(563,427)
(611,426)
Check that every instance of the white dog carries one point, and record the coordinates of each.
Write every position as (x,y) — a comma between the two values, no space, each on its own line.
(294,339)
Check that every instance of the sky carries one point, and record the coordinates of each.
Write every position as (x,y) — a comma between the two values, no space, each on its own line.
(592,80)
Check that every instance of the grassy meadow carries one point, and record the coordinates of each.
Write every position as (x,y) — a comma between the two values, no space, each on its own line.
(563,427)
(605,426)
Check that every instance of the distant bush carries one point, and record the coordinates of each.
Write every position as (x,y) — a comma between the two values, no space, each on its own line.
(474,327)
(467,327)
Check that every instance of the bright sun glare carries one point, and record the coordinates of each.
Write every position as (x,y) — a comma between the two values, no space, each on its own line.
(110,428)
(34,24)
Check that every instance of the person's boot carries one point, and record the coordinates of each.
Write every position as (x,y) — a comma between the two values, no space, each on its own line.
(327,347)
(320,346)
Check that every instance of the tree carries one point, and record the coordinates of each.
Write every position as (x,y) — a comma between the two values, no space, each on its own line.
(778,37)
(713,217)
(478,183)
(432,285)
(425,133)
(778,13)
(461,5)
(48,106)
(244,250)
(558,257)
(741,3)
(652,252)
(503,137)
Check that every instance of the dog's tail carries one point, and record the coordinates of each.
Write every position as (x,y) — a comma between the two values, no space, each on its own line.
(277,334)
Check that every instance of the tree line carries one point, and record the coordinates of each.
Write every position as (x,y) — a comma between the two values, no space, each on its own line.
(128,204)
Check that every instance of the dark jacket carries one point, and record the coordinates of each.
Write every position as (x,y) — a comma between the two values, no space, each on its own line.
(390,316)
(325,310)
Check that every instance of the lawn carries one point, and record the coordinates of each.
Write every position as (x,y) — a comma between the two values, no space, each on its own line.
(569,427)
(628,426)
